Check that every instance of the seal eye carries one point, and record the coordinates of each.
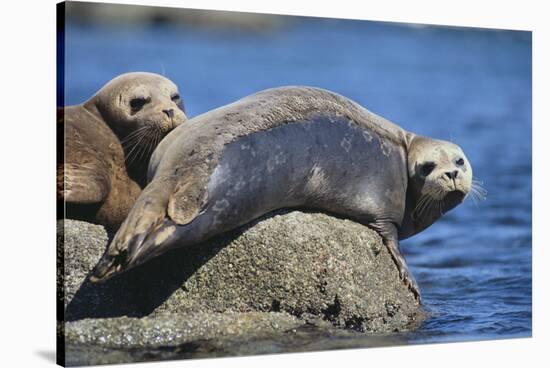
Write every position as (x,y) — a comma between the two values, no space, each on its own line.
(137,103)
(427,168)
(460,162)
(176,98)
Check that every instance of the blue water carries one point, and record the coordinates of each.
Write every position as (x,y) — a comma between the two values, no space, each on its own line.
(470,86)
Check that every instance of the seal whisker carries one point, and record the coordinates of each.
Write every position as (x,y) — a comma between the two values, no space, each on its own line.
(430,208)
(143,149)
(474,193)
(130,141)
(427,205)
(133,140)
(478,188)
(435,204)
(133,148)
(134,133)
(129,146)
(148,144)
(147,148)
(477,197)
(133,153)
(421,202)
(158,137)
(422,199)
(153,142)
(432,194)
(477,192)
(474,200)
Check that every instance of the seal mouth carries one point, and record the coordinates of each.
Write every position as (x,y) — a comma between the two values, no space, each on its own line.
(453,199)
(455,195)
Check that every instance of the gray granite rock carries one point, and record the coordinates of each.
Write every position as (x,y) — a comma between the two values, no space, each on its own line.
(287,269)
(170,329)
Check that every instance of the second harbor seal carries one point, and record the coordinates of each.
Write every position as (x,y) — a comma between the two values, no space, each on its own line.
(289,147)
(108,141)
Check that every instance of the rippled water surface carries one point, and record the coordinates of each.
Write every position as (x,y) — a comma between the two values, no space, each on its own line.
(470,86)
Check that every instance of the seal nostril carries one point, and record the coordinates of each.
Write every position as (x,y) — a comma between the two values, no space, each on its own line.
(452,174)
(169,112)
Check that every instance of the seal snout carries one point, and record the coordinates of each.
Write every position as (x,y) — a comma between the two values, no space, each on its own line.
(169,113)
(451,177)
(452,174)
(169,118)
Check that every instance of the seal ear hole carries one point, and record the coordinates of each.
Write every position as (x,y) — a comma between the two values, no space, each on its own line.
(137,103)
(427,168)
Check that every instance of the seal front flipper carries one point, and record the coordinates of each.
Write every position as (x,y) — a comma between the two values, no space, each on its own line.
(389,234)
(148,217)
(83,183)
(162,211)
(185,203)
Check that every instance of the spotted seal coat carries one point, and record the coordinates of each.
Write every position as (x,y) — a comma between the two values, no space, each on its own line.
(289,147)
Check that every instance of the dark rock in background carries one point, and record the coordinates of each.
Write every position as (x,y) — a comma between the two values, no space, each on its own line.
(138,16)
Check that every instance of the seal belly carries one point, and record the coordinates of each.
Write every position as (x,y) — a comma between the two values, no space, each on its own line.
(328,163)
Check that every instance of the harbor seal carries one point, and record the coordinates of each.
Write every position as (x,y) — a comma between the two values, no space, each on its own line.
(108,141)
(289,147)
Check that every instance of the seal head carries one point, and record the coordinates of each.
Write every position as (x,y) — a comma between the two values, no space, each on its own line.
(140,108)
(440,178)
(108,141)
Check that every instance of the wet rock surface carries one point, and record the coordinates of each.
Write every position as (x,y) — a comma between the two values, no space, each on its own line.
(278,274)
(174,330)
